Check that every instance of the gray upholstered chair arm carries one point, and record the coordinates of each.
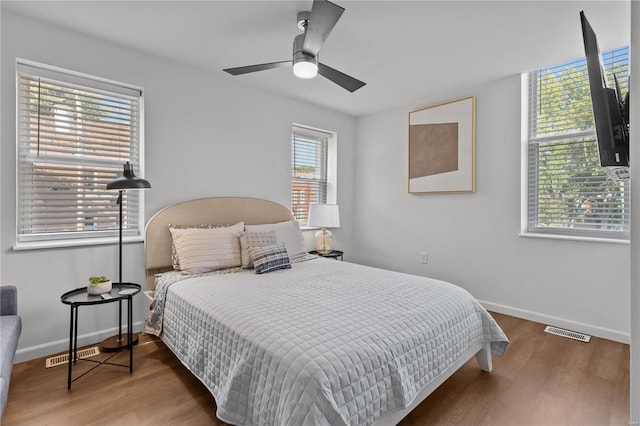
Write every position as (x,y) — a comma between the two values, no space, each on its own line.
(8,300)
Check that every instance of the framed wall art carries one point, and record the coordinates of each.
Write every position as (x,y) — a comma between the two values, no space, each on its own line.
(442,148)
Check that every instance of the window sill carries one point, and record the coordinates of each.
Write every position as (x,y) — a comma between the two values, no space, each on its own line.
(81,242)
(572,238)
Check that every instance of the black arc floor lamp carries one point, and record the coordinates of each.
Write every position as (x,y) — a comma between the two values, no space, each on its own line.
(128,180)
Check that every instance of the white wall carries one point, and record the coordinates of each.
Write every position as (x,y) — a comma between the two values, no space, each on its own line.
(472,239)
(0,150)
(635,214)
(206,135)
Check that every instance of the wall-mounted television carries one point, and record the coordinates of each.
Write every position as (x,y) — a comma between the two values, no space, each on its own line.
(610,110)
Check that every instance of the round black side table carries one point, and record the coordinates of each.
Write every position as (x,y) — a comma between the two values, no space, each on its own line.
(80,297)
(334,254)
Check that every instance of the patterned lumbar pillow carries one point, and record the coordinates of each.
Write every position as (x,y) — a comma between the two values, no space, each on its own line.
(270,258)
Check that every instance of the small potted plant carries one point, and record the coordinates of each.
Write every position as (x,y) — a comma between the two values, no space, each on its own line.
(99,285)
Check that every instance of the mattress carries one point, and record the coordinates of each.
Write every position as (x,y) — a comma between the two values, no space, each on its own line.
(323,343)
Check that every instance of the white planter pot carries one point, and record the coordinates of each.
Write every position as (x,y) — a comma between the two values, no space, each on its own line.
(99,288)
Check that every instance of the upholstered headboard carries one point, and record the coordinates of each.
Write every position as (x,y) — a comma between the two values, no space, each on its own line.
(217,210)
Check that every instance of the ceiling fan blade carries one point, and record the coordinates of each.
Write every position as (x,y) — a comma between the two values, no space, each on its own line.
(341,79)
(255,68)
(323,18)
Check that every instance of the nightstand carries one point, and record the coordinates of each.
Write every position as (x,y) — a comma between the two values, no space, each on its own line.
(80,297)
(334,254)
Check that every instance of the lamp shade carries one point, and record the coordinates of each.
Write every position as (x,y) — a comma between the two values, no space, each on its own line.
(324,215)
(128,180)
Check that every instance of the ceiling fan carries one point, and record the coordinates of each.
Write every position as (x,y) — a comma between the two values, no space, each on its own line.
(317,26)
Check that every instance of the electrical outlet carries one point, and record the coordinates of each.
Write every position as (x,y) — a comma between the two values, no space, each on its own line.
(424,257)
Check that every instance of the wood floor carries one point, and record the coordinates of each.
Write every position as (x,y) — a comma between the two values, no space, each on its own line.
(542,379)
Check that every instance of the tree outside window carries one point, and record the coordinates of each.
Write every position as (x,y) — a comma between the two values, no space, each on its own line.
(568,192)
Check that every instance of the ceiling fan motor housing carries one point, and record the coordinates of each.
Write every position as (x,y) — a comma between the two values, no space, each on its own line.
(304,64)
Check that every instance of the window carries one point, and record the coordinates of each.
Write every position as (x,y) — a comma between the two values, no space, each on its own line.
(567,192)
(313,165)
(74,133)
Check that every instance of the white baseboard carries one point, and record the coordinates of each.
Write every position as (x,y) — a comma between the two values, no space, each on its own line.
(61,346)
(592,330)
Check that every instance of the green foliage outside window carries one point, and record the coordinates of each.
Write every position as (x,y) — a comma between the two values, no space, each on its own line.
(568,190)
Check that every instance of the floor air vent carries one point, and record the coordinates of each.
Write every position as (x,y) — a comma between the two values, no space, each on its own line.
(54,361)
(567,333)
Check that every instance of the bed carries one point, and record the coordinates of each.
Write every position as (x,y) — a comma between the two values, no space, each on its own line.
(308,340)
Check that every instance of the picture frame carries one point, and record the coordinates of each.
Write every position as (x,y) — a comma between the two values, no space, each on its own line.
(442,148)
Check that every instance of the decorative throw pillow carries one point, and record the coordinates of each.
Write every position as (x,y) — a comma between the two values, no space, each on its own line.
(175,260)
(270,258)
(286,232)
(250,240)
(203,250)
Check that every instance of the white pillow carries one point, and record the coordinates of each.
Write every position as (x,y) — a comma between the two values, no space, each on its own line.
(251,240)
(286,232)
(203,250)
(175,260)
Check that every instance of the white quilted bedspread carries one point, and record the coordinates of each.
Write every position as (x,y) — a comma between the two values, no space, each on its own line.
(326,342)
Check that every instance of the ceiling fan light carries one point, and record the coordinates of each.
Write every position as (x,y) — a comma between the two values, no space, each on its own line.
(305,69)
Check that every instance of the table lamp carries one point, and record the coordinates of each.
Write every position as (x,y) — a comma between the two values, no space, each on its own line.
(324,216)
(128,180)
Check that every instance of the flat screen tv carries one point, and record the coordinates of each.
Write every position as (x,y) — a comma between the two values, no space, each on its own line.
(610,110)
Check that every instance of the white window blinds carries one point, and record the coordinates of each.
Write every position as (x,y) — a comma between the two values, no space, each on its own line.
(74,133)
(309,170)
(568,192)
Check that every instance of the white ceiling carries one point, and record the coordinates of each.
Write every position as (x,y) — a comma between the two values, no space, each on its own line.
(403,50)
